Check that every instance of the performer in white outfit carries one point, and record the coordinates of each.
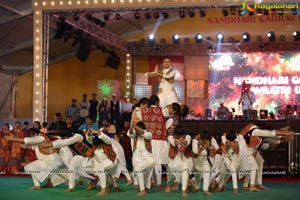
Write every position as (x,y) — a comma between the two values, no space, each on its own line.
(231,158)
(47,159)
(154,121)
(166,92)
(142,159)
(254,136)
(136,117)
(104,158)
(180,160)
(217,170)
(200,144)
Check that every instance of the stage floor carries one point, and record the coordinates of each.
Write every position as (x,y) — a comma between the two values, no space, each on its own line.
(17,188)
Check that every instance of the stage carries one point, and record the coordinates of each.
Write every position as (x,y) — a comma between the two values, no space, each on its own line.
(17,188)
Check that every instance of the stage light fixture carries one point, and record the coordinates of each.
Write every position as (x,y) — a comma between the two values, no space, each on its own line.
(176,39)
(220,37)
(271,36)
(76,17)
(106,16)
(165,14)
(202,13)
(246,37)
(259,11)
(211,49)
(294,11)
(296,35)
(198,38)
(225,12)
(281,11)
(232,10)
(137,15)
(147,15)
(156,15)
(181,14)
(118,16)
(192,13)
(151,38)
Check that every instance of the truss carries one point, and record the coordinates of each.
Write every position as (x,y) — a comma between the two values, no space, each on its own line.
(105,37)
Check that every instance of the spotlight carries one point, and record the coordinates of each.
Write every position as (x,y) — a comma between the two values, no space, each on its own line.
(151,38)
(147,15)
(192,13)
(271,36)
(296,35)
(137,15)
(157,49)
(246,37)
(280,11)
(259,11)
(220,37)
(76,17)
(198,38)
(181,14)
(165,14)
(176,39)
(294,11)
(225,12)
(232,10)
(118,16)
(202,13)
(106,16)
(156,15)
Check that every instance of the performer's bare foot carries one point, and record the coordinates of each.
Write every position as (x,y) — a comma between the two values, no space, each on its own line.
(254,189)
(184,194)
(141,193)
(261,187)
(136,187)
(207,193)
(69,190)
(35,188)
(175,186)
(103,192)
(92,184)
(128,183)
(235,191)
(245,188)
(168,189)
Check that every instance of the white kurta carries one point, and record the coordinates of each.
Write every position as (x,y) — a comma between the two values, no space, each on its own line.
(180,163)
(142,160)
(41,168)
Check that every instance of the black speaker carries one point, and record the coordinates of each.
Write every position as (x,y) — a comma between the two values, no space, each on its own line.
(84,50)
(113,60)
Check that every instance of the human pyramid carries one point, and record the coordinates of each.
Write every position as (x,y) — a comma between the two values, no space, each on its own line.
(93,157)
